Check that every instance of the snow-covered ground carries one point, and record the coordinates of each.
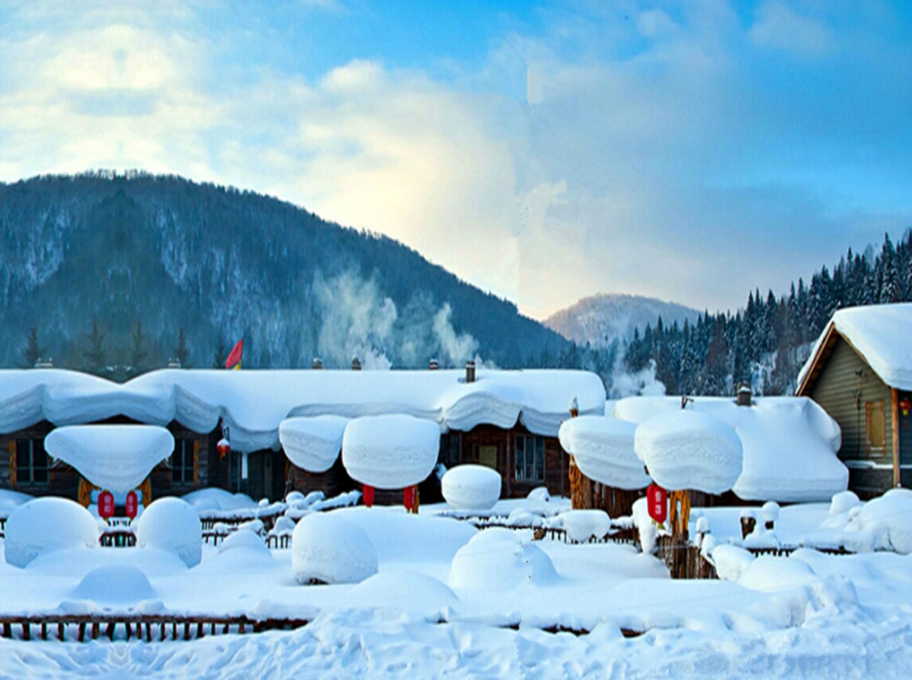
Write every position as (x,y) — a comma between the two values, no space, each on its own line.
(444,595)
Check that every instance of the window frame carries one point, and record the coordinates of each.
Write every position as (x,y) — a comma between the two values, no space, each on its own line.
(30,468)
(529,466)
(181,461)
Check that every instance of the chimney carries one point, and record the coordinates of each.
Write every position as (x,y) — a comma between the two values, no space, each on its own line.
(744,394)
(317,364)
(574,408)
(433,365)
(356,364)
(470,371)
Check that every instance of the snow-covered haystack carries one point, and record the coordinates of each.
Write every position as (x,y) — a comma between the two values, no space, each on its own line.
(113,457)
(327,548)
(885,523)
(392,451)
(116,584)
(471,487)
(498,559)
(313,444)
(406,590)
(604,451)
(689,450)
(172,525)
(46,525)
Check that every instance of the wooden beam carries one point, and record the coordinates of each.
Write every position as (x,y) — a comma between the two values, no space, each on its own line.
(894,425)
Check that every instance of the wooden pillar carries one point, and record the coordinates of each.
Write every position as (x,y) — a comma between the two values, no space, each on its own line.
(12,463)
(894,422)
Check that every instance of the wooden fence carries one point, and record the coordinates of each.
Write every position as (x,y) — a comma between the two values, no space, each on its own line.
(147,627)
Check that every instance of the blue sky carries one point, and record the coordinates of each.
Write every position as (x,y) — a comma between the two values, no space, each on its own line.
(690,150)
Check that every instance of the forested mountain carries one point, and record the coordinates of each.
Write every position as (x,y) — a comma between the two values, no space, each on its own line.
(118,273)
(769,340)
(601,319)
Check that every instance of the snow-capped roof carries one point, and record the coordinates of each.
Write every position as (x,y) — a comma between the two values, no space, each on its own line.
(879,333)
(313,443)
(391,451)
(603,448)
(113,457)
(254,403)
(789,443)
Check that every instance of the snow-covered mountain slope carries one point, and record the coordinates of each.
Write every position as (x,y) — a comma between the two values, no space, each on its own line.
(600,319)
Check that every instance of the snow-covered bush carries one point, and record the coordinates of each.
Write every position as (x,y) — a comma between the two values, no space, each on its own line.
(327,548)
(886,522)
(730,561)
(604,450)
(244,540)
(118,584)
(843,502)
(172,525)
(406,590)
(776,573)
(284,526)
(391,451)
(499,559)
(581,525)
(254,526)
(45,525)
(689,450)
(471,487)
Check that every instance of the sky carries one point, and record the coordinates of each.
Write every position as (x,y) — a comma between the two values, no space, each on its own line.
(689,150)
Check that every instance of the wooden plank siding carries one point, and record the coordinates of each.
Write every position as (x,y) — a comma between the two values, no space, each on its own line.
(845,387)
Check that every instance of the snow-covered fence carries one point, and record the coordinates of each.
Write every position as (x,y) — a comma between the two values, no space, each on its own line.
(148,627)
(117,538)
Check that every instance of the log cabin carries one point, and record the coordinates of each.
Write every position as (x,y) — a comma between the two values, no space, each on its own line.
(507,420)
(860,372)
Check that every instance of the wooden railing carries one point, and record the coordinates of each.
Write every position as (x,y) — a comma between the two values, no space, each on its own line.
(117,538)
(147,627)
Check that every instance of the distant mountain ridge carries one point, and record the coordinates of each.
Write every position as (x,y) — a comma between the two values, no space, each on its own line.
(220,263)
(601,319)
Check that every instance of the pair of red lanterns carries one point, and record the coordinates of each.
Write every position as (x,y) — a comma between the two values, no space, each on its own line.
(106,504)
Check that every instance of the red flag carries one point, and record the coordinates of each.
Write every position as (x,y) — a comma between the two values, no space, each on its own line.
(234,359)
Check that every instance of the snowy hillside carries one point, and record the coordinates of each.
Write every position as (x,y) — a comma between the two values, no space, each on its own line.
(602,318)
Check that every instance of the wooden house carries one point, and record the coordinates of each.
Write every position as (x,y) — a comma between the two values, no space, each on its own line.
(860,372)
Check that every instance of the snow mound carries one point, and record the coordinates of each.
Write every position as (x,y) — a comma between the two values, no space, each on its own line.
(540,494)
(690,450)
(776,573)
(730,561)
(46,525)
(887,520)
(843,502)
(214,499)
(117,584)
(647,529)
(603,449)
(390,452)
(172,525)
(10,500)
(243,540)
(113,457)
(581,525)
(326,548)
(284,526)
(313,444)
(498,559)
(406,590)
(471,487)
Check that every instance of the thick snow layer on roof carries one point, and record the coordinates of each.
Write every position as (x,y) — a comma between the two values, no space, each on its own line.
(603,449)
(313,443)
(390,452)
(880,334)
(114,457)
(254,403)
(789,443)
(689,450)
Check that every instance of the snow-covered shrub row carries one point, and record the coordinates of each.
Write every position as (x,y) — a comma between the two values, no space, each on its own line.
(500,559)
(390,451)
(171,525)
(604,451)
(327,548)
(45,525)
(689,450)
(471,487)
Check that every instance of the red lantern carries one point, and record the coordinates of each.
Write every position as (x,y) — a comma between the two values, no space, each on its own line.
(105,504)
(368,495)
(657,500)
(905,406)
(132,504)
(408,497)
(223,447)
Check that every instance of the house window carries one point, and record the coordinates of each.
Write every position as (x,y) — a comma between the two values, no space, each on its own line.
(487,456)
(31,462)
(182,462)
(234,471)
(875,427)
(530,458)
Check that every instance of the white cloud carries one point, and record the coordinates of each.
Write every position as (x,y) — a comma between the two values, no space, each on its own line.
(778,25)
